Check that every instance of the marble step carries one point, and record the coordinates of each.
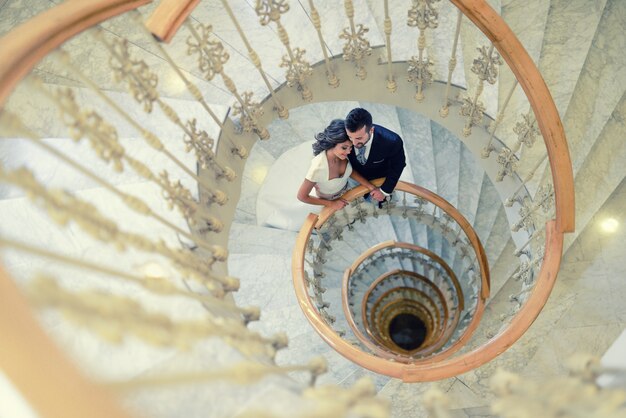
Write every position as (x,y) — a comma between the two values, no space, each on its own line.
(566,50)
(446,149)
(470,184)
(498,237)
(488,206)
(602,172)
(257,166)
(418,143)
(528,22)
(246,239)
(596,97)
(503,268)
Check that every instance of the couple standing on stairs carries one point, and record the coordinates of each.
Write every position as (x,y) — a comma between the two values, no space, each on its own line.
(353,149)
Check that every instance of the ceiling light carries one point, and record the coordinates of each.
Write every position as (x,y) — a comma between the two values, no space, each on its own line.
(609,225)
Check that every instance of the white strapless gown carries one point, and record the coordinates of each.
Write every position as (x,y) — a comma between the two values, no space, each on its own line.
(277,205)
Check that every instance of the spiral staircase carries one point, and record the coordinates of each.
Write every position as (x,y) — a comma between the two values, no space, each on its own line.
(469,247)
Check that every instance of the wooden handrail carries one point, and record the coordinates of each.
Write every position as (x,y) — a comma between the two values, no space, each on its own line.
(450,366)
(38,368)
(376,248)
(548,120)
(397,244)
(416,276)
(438,201)
(23,47)
(166,19)
(372,319)
(406,305)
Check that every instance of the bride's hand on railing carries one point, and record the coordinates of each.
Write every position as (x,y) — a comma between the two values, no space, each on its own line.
(337,204)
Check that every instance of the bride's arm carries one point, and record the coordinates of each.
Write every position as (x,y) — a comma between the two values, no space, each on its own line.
(362,181)
(303,196)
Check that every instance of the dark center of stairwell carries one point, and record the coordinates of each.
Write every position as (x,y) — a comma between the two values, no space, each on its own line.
(407,331)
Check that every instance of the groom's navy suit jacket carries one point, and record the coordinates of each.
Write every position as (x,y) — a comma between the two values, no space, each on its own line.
(386,158)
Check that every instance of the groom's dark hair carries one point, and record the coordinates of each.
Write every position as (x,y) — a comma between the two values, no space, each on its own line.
(358,118)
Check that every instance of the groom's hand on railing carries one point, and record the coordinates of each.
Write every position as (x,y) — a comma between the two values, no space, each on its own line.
(377,195)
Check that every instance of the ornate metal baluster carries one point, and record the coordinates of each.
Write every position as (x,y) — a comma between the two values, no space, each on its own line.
(443,112)
(236,149)
(113,317)
(333,81)
(391,82)
(211,60)
(515,196)
(242,373)
(142,84)
(156,284)
(486,68)
(527,133)
(545,202)
(356,47)
(103,138)
(495,123)
(522,250)
(14,125)
(298,68)
(63,207)
(282,111)
(422,15)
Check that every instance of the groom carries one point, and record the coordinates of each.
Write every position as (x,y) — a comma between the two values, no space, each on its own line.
(377,151)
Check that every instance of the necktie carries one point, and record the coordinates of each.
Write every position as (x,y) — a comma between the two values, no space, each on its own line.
(360,156)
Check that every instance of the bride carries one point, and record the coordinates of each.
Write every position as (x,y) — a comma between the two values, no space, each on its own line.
(330,169)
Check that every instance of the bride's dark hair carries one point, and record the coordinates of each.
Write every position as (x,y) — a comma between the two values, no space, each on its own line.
(335,133)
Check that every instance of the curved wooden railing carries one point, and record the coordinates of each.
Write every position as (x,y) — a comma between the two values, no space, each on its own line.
(445,314)
(433,369)
(387,310)
(442,204)
(395,244)
(527,74)
(479,251)
(373,250)
(29,43)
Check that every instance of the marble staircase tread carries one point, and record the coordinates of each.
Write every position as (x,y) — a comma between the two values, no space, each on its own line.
(419,233)
(567,48)
(602,173)
(260,275)
(488,206)
(600,85)
(528,21)
(257,166)
(418,142)
(470,183)
(284,137)
(569,32)
(308,344)
(218,398)
(447,153)
(257,240)
(499,235)
(503,268)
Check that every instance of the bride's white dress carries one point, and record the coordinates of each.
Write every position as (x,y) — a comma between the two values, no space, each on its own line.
(277,205)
